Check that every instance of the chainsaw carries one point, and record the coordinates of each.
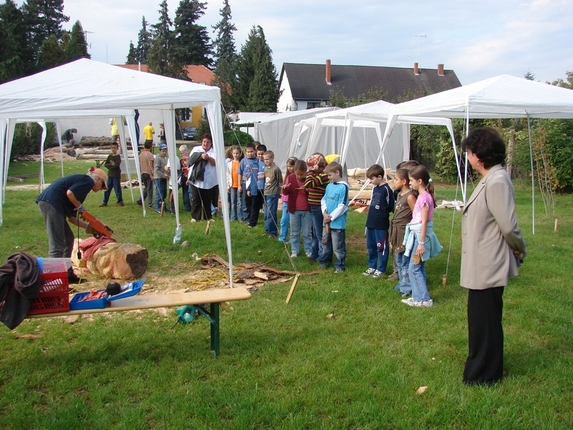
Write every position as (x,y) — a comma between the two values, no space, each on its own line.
(99,228)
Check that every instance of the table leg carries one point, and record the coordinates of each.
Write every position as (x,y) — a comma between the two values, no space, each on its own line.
(215,329)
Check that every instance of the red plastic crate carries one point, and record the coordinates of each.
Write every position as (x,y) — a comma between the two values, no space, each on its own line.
(54,294)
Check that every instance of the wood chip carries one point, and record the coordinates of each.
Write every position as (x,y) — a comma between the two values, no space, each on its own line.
(261,275)
(29,336)
(421,390)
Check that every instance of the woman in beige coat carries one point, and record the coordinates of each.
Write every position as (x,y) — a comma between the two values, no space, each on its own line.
(492,249)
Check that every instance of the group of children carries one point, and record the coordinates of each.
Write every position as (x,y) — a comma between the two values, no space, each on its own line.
(410,236)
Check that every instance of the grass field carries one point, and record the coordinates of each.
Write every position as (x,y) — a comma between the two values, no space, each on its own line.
(290,366)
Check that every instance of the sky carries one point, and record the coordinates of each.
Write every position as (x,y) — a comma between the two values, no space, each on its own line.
(475,39)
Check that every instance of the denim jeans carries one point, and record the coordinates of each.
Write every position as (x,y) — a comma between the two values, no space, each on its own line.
(160,192)
(378,249)
(417,274)
(236,207)
(403,277)
(115,184)
(60,235)
(186,199)
(271,221)
(244,212)
(333,243)
(317,223)
(285,221)
(300,220)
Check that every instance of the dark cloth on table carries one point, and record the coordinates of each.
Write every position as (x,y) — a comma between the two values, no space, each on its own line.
(19,284)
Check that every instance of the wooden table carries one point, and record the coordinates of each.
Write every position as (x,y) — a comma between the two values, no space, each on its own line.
(212,297)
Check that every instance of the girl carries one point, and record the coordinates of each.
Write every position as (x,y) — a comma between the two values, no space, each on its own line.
(285,219)
(233,182)
(300,218)
(419,239)
(402,216)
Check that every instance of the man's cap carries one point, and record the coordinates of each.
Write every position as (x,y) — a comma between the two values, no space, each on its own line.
(162,146)
(101,174)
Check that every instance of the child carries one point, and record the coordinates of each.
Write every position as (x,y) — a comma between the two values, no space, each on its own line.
(113,166)
(402,215)
(285,218)
(298,209)
(233,182)
(420,241)
(182,176)
(248,172)
(260,149)
(315,184)
(378,222)
(273,184)
(334,206)
(160,177)
(146,161)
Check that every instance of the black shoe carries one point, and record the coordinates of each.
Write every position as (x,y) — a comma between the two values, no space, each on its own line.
(139,202)
(74,279)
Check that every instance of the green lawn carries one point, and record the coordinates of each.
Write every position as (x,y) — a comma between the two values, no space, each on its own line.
(289,366)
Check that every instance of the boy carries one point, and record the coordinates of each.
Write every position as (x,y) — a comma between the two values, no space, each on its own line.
(248,172)
(273,185)
(146,161)
(113,166)
(315,184)
(261,149)
(378,222)
(160,177)
(334,206)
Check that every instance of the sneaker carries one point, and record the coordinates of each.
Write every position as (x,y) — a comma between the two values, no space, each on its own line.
(409,301)
(377,274)
(322,266)
(424,304)
(120,204)
(139,202)
(369,271)
(338,271)
(309,255)
(405,294)
(293,255)
(101,205)
(393,277)
(158,211)
(193,220)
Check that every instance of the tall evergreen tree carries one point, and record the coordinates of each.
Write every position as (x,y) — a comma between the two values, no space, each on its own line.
(162,58)
(51,54)
(77,47)
(191,39)
(256,86)
(225,53)
(131,54)
(15,55)
(144,40)
(43,18)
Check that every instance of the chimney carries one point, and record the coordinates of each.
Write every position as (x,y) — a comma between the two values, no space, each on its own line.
(416,70)
(440,70)
(328,76)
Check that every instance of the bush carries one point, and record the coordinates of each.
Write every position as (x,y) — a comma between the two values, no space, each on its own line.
(27,138)
(237,137)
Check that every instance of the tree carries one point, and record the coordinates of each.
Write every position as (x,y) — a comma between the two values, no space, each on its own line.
(144,41)
(162,58)
(256,87)
(44,18)
(131,54)
(77,47)
(51,54)
(225,53)
(191,40)
(15,55)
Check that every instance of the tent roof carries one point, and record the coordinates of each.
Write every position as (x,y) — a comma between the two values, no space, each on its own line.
(499,97)
(87,85)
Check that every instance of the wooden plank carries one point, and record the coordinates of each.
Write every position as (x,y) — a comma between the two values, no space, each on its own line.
(162,301)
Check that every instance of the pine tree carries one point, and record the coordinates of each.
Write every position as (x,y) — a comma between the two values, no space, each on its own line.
(51,54)
(191,40)
(162,58)
(256,86)
(225,53)
(77,46)
(15,55)
(144,41)
(131,54)
(43,18)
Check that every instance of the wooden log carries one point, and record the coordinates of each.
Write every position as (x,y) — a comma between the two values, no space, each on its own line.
(293,286)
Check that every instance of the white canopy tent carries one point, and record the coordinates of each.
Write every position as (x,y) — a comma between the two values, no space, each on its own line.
(499,97)
(86,88)
(360,138)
